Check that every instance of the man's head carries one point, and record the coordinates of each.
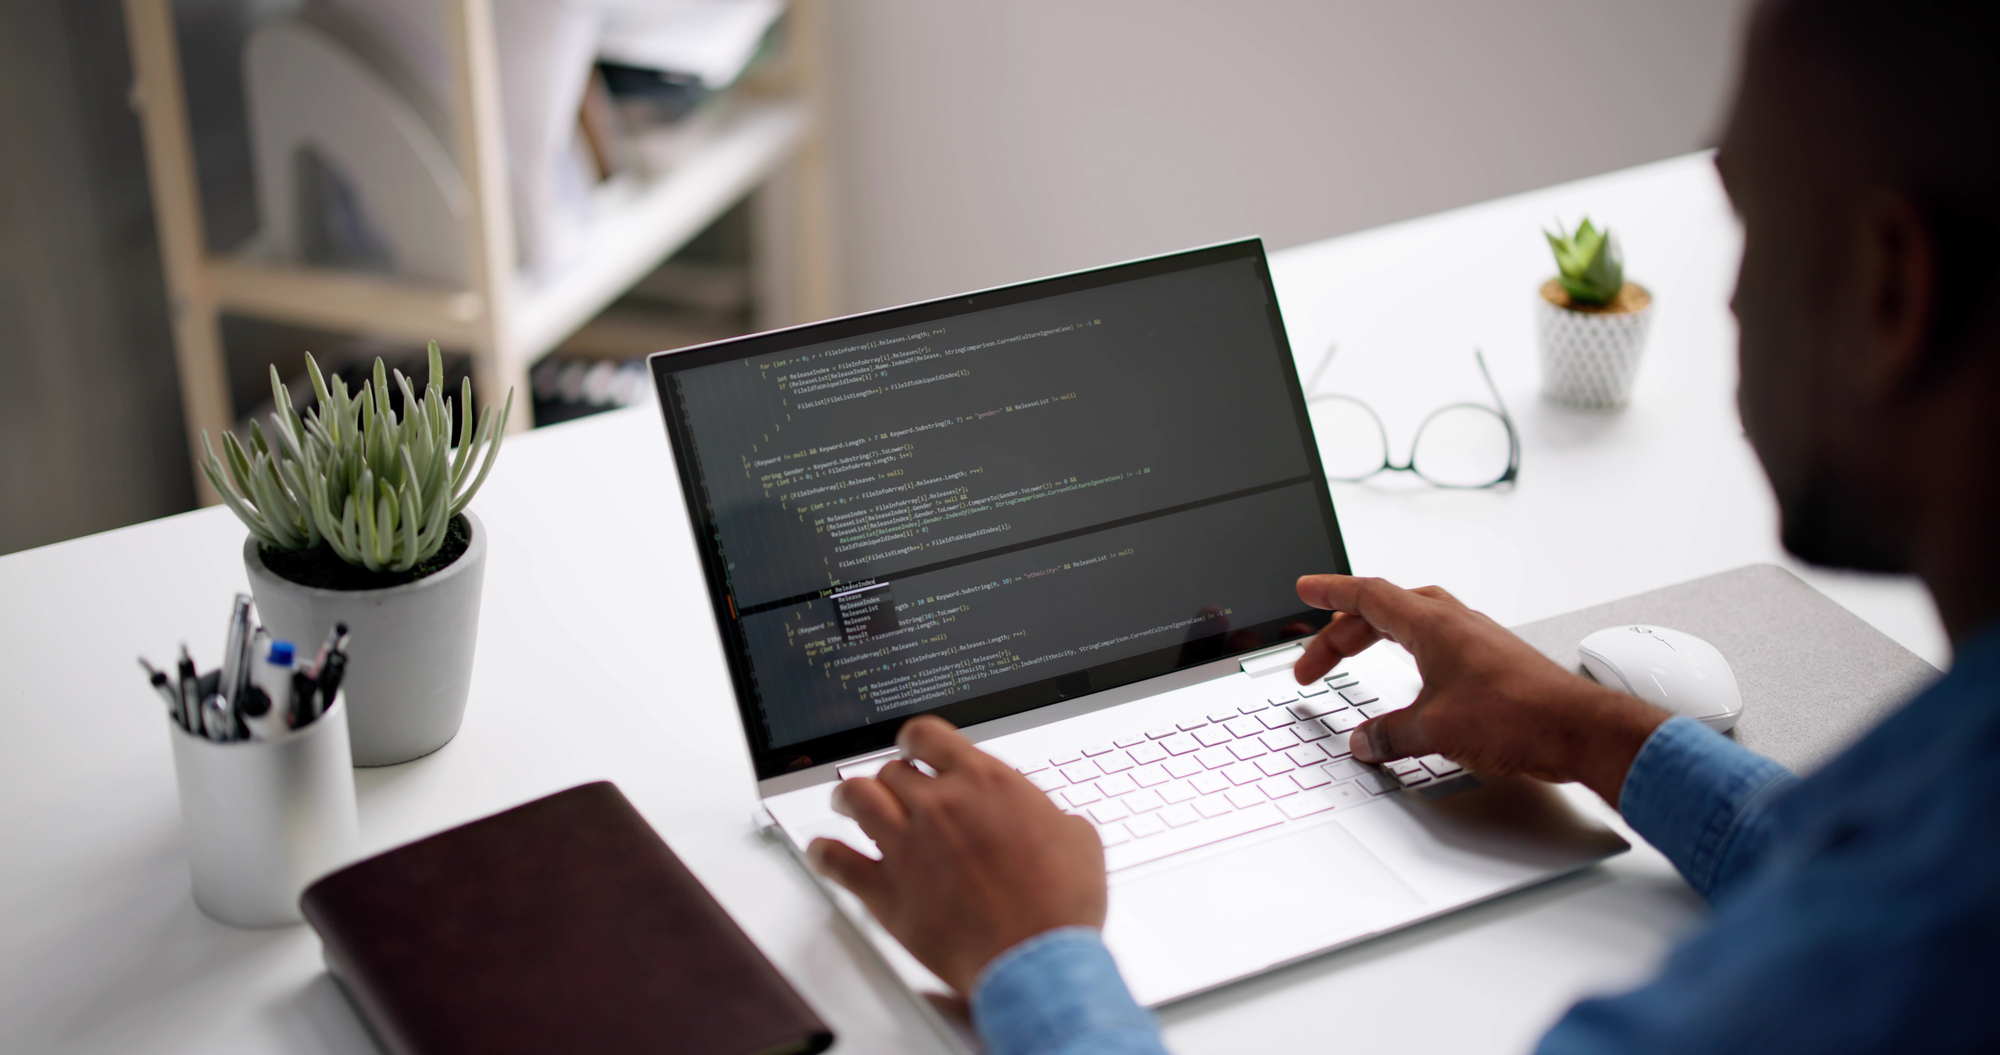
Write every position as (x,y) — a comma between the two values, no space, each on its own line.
(1863,154)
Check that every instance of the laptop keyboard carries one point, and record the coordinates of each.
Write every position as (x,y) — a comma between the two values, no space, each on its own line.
(1279,755)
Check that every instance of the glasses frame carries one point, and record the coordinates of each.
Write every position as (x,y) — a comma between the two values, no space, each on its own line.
(1512,472)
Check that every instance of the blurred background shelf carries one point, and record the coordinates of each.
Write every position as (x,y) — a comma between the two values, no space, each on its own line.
(748,175)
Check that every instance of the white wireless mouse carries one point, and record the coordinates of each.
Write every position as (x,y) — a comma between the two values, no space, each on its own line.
(1667,668)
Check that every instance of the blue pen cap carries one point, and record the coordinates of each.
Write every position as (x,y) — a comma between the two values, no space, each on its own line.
(281,653)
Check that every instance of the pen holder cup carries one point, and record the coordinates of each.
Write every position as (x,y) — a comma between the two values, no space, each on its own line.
(266,817)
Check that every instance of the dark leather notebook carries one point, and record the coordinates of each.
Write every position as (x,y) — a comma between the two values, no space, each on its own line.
(562,925)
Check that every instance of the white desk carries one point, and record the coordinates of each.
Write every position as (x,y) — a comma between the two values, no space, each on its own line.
(594,607)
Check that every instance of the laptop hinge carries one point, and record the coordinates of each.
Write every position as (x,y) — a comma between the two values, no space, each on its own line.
(1270,662)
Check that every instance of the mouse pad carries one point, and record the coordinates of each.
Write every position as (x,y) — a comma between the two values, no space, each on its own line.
(1814,675)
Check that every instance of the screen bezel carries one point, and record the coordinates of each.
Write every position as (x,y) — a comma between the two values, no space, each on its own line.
(776,761)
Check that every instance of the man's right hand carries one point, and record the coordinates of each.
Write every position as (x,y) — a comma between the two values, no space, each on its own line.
(1490,702)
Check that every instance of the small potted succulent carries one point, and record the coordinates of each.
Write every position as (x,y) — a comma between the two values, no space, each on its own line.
(1593,322)
(358,516)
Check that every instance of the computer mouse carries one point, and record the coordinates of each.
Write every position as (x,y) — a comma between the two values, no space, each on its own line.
(1668,668)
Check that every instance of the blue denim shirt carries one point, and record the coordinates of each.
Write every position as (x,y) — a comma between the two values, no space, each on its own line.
(1856,910)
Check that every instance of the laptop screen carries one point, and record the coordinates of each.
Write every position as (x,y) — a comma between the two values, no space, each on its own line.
(993,502)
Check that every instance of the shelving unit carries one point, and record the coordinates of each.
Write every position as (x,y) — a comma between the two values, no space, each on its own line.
(767,141)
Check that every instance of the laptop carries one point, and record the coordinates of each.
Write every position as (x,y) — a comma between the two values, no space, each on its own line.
(1068,516)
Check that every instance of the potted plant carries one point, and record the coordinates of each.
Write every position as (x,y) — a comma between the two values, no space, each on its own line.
(1593,322)
(358,516)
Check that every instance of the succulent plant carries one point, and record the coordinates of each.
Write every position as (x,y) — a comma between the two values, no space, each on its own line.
(378,490)
(1592,270)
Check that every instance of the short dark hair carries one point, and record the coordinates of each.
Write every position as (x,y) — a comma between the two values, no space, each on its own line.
(1923,84)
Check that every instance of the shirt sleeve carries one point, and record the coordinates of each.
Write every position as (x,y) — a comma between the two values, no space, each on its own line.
(1059,993)
(1703,800)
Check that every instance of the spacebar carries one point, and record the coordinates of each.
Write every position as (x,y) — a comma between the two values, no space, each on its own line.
(1227,826)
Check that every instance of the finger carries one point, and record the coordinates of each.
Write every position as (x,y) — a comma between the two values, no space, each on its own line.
(1345,636)
(935,742)
(1438,593)
(1394,612)
(878,811)
(859,873)
(910,785)
(1398,734)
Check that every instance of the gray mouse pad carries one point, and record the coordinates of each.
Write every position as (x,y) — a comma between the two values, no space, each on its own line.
(1814,676)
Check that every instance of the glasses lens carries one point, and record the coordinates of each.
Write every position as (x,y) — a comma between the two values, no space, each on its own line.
(1350,437)
(1462,447)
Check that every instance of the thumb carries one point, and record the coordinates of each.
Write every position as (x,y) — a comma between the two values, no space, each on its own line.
(860,874)
(1398,734)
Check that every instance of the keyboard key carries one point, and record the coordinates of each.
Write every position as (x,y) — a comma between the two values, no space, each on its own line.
(1180,744)
(1311,777)
(1377,783)
(1047,780)
(1213,736)
(1344,721)
(1317,688)
(1214,757)
(1098,749)
(1143,801)
(1222,715)
(1031,768)
(1312,730)
(1147,753)
(1277,718)
(1252,707)
(1309,755)
(1147,776)
(1242,727)
(1106,812)
(1403,766)
(1179,815)
(1441,766)
(1374,710)
(1191,724)
(1243,773)
(1280,699)
(1115,762)
(1245,797)
(1144,826)
(1079,772)
(1357,695)
(1411,780)
(1129,741)
(1213,806)
(1272,765)
(1347,769)
(1279,740)
(1112,787)
(1209,783)
(1178,791)
(1247,749)
(1080,796)
(1278,789)
(1113,834)
(1179,840)
(1064,759)
(1311,802)
(1181,767)
(1161,733)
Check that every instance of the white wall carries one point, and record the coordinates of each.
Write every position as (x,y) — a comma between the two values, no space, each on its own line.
(981,143)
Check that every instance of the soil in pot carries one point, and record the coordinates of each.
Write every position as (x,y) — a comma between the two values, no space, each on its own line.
(1631,297)
(322,568)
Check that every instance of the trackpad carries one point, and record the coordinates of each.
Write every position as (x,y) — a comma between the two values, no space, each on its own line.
(1174,931)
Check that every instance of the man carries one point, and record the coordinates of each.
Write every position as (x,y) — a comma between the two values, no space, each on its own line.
(1855,910)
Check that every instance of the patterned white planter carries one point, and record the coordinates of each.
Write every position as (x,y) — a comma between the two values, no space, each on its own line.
(1590,357)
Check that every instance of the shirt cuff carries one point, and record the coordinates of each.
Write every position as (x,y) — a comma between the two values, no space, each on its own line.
(1059,991)
(1699,798)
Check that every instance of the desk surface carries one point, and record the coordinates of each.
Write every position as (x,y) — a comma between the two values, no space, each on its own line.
(597,659)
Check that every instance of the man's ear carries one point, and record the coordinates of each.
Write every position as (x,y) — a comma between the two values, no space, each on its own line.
(1898,272)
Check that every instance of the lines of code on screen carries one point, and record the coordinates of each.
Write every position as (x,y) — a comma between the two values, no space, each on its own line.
(919,516)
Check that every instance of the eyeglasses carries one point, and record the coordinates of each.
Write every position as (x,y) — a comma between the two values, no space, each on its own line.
(1462,445)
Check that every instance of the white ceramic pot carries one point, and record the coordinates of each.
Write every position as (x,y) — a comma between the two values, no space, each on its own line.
(1590,357)
(409,664)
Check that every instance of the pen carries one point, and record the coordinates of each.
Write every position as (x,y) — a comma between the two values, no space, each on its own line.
(167,692)
(236,649)
(215,718)
(190,689)
(329,682)
(334,638)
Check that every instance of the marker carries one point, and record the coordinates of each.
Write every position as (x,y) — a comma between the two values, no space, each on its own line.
(167,692)
(190,688)
(264,721)
(271,679)
(334,638)
(236,649)
(329,682)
